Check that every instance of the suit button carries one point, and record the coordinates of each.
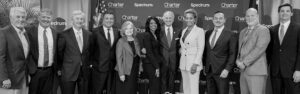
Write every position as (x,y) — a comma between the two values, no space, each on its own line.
(280,50)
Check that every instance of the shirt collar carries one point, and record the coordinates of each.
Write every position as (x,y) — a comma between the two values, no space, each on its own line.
(171,27)
(42,28)
(18,30)
(219,29)
(76,31)
(105,28)
(286,23)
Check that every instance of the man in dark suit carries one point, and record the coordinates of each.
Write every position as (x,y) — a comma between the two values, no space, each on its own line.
(103,54)
(284,52)
(43,59)
(220,54)
(73,56)
(14,53)
(170,46)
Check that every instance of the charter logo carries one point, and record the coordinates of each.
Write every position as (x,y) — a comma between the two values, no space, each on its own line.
(226,5)
(171,5)
(199,5)
(143,5)
(133,18)
(115,5)
(239,19)
(207,18)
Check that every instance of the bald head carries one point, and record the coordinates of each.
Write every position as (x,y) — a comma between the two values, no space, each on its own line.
(168,18)
(252,17)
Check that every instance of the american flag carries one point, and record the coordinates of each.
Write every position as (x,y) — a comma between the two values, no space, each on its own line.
(99,10)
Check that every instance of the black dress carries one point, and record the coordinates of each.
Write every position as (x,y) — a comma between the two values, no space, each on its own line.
(129,86)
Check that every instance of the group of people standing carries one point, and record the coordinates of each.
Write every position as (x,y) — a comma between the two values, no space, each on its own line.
(110,59)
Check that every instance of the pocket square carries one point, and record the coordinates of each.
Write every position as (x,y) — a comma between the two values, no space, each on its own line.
(177,38)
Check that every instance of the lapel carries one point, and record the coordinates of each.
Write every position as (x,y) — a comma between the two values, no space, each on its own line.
(276,31)
(34,33)
(101,31)
(221,37)
(54,35)
(163,37)
(241,38)
(190,35)
(116,33)
(127,46)
(85,39)
(175,34)
(14,34)
(73,38)
(289,32)
(208,38)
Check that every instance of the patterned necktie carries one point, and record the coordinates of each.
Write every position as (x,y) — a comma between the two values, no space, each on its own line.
(108,36)
(212,42)
(169,38)
(46,50)
(245,37)
(281,34)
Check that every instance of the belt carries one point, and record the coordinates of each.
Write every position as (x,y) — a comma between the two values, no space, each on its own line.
(44,68)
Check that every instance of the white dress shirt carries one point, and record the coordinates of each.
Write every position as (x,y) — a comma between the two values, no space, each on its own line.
(285,25)
(220,30)
(41,46)
(111,34)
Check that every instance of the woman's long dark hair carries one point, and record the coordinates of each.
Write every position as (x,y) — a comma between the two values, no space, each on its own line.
(147,26)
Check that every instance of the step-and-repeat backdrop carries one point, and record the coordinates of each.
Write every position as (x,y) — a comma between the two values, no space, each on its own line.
(139,10)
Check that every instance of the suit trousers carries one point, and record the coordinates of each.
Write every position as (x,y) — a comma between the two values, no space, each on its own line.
(167,79)
(190,82)
(42,81)
(23,90)
(282,85)
(68,87)
(99,81)
(216,84)
(253,84)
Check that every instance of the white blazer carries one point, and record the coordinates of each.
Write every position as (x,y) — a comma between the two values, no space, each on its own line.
(192,49)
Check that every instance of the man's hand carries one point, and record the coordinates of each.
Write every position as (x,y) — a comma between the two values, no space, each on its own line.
(6,84)
(59,73)
(240,65)
(143,51)
(194,68)
(296,76)
(122,78)
(224,73)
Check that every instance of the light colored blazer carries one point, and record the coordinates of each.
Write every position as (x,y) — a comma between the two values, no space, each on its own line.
(253,54)
(192,49)
(125,56)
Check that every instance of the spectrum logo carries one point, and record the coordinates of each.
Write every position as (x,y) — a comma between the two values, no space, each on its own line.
(199,5)
(143,5)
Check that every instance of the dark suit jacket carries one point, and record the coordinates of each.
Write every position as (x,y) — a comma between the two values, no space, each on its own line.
(223,55)
(170,53)
(153,53)
(12,59)
(102,53)
(70,59)
(285,58)
(34,49)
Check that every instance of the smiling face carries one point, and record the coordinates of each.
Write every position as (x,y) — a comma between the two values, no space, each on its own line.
(108,20)
(153,26)
(18,18)
(78,21)
(45,19)
(285,13)
(168,18)
(129,30)
(251,17)
(219,19)
(189,19)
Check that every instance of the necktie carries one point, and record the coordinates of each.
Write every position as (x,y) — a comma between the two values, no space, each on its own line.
(24,42)
(244,41)
(169,38)
(46,51)
(281,33)
(185,34)
(212,42)
(79,40)
(108,36)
